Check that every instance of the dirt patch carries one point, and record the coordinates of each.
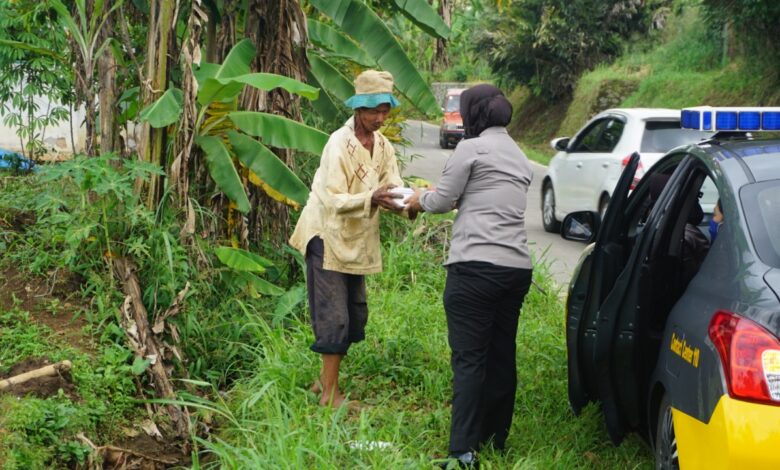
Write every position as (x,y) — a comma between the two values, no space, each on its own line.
(40,387)
(138,452)
(51,301)
(143,452)
(16,221)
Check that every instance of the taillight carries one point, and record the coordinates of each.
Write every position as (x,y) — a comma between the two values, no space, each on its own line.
(640,171)
(750,356)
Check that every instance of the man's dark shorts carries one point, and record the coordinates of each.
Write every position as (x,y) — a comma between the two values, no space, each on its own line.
(337,302)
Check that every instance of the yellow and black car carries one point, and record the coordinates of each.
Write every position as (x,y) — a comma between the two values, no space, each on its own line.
(673,314)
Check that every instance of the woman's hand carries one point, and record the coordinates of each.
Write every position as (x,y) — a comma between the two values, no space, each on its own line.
(413,202)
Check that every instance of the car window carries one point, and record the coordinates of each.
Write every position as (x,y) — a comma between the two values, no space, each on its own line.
(761,202)
(589,139)
(662,136)
(452,104)
(610,136)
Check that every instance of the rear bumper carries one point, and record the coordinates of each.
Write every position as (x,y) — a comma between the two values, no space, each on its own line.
(739,435)
(451,137)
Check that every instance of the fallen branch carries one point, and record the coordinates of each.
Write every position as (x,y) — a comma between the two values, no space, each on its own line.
(112,454)
(146,344)
(46,371)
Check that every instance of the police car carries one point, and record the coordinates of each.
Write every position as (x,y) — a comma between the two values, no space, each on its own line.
(686,351)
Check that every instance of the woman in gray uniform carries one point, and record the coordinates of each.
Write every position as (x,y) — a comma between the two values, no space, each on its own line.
(488,269)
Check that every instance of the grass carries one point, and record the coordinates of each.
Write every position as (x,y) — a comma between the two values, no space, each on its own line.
(401,374)
(41,432)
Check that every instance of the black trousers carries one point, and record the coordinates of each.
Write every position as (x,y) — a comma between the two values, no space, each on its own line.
(337,302)
(482,302)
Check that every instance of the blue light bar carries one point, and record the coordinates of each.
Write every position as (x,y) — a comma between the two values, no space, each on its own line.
(726,120)
(770,121)
(707,118)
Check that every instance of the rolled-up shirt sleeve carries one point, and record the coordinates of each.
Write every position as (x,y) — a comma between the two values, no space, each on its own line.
(452,183)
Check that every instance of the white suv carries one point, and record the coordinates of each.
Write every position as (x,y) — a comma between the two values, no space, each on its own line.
(582,175)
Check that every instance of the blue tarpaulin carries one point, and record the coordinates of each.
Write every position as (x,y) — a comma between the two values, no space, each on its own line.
(14,161)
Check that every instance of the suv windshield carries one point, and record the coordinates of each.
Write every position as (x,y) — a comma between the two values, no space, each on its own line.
(761,203)
(453,104)
(662,136)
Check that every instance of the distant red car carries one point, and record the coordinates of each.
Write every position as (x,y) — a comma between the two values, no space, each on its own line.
(451,130)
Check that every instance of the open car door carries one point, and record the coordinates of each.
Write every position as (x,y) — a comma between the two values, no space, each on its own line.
(591,285)
(631,317)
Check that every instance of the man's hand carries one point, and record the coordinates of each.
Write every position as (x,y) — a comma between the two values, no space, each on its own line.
(382,197)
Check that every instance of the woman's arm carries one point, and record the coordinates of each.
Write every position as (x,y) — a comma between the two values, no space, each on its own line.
(453,181)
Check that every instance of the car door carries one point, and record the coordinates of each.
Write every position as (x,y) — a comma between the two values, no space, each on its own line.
(591,283)
(632,315)
(599,165)
(574,190)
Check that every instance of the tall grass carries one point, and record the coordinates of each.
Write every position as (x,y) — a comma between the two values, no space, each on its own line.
(401,376)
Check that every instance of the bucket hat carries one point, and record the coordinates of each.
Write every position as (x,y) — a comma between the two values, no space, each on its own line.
(372,88)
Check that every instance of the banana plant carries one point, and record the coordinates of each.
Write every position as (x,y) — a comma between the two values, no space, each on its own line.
(236,142)
(245,267)
(361,36)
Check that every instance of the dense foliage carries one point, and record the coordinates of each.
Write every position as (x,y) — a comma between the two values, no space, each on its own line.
(755,24)
(548,44)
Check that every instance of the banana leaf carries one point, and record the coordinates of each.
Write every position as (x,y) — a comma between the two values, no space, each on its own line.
(338,44)
(221,89)
(242,260)
(330,78)
(278,131)
(238,60)
(205,71)
(323,105)
(266,165)
(261,286)
(424,16)
(220,165)
(363,25)
(166,110)
(236,63)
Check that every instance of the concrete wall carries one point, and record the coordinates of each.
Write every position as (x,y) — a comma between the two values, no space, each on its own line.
(57,137)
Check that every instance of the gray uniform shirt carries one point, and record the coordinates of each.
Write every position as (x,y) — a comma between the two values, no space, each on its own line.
(487,179)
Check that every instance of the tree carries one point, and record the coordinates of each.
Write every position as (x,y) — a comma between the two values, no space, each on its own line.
(86,31)
(547,44)
(30,68)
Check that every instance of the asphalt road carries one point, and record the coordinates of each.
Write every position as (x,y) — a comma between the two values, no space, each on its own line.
(425,159)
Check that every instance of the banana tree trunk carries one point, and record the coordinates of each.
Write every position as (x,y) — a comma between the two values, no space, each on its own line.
(152,143)
(107,97)
(278,30)
(179,173)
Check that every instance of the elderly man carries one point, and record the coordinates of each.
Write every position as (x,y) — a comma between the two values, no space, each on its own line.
(338,231)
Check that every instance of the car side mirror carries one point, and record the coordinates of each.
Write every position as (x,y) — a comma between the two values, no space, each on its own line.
(581,226)
(560,143)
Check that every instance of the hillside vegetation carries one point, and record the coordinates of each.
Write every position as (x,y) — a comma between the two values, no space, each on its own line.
(688,64)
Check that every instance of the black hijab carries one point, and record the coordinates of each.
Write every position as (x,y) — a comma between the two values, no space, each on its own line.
(483,106)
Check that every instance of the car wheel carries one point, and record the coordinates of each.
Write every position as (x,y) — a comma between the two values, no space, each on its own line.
(666,457)
(603,203)
(548,210)
(443,142)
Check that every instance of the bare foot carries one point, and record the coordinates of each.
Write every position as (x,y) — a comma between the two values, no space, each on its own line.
(334,401)
(316,387)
